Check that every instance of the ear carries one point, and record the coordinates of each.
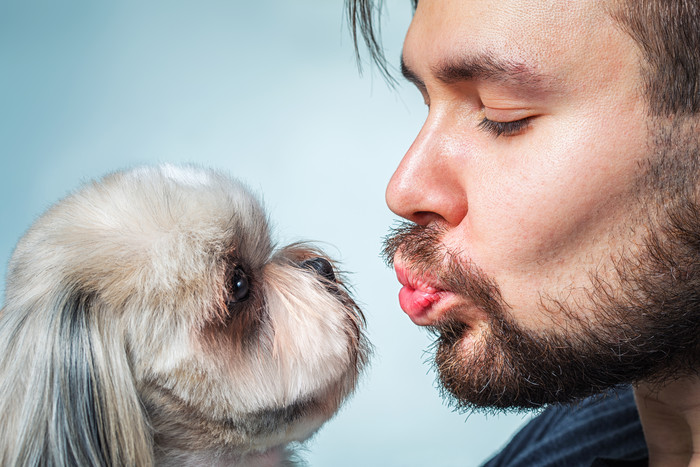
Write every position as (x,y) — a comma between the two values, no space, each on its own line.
(78,404)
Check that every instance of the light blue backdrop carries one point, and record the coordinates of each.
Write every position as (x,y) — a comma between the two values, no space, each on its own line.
(269,91)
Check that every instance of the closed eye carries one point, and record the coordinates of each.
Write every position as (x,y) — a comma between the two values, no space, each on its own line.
(497,129)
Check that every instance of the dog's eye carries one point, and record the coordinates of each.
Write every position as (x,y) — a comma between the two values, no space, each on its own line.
(239,286)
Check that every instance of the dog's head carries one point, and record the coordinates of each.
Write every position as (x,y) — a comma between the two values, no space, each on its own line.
(151,308)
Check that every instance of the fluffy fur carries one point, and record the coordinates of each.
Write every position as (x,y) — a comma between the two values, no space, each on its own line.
(124,342)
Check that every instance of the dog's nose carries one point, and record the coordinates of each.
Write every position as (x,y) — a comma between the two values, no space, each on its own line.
(322,266)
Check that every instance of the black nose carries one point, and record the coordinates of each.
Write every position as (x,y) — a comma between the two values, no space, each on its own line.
(321,266)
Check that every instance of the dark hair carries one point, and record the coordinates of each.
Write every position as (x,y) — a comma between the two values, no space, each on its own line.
(364,19)
(666,31)
(668,34)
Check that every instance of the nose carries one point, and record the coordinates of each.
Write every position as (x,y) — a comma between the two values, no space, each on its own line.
(429,183)
(321,266)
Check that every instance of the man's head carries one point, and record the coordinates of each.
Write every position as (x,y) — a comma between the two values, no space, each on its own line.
(551,194)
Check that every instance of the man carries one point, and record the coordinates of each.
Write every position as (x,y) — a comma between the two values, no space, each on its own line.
(553,230)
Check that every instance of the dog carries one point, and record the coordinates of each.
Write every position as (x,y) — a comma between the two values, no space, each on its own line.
(150,320)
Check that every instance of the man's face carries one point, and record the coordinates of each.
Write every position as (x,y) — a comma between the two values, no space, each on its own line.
(531,176)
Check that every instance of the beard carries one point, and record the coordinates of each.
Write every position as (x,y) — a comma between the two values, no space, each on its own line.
(644,322)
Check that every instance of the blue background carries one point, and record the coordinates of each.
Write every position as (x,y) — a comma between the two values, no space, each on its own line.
(267,90)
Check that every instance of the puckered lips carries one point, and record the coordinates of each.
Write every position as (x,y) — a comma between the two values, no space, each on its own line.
(420,296)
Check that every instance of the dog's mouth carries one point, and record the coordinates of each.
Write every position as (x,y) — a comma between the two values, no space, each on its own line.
(297,420)
(258,430)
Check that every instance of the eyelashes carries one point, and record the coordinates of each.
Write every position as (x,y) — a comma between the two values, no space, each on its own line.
(504,128)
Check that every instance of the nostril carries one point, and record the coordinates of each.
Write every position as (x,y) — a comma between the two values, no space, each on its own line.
(322,266)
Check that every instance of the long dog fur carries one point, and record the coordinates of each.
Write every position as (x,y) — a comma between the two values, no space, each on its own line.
(118,349)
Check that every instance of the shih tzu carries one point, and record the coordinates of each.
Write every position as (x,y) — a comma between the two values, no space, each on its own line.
(150,320)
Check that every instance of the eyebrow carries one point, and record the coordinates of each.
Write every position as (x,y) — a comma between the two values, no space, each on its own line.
(484,67)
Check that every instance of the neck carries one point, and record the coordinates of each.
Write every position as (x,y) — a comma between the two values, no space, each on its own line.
(670,418)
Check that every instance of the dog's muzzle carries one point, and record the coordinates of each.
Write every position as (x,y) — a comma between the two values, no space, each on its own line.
(321,266)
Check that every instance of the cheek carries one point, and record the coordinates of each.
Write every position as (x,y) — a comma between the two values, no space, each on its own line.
(551,199)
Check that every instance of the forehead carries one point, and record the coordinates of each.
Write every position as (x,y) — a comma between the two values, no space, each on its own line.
(554,37)
(508,22)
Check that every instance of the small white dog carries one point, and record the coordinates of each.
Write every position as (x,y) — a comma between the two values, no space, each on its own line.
(149,320)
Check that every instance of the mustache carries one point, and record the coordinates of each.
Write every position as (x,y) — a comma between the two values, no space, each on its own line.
(422,250)
(420,243)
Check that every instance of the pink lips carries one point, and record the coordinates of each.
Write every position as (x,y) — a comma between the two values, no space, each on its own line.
(416,296)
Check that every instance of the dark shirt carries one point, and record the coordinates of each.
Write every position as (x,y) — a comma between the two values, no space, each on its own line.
(599,431)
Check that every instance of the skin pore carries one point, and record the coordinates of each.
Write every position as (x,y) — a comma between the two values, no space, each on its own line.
(535,180)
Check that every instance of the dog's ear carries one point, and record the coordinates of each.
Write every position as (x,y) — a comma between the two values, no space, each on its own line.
(68,393)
